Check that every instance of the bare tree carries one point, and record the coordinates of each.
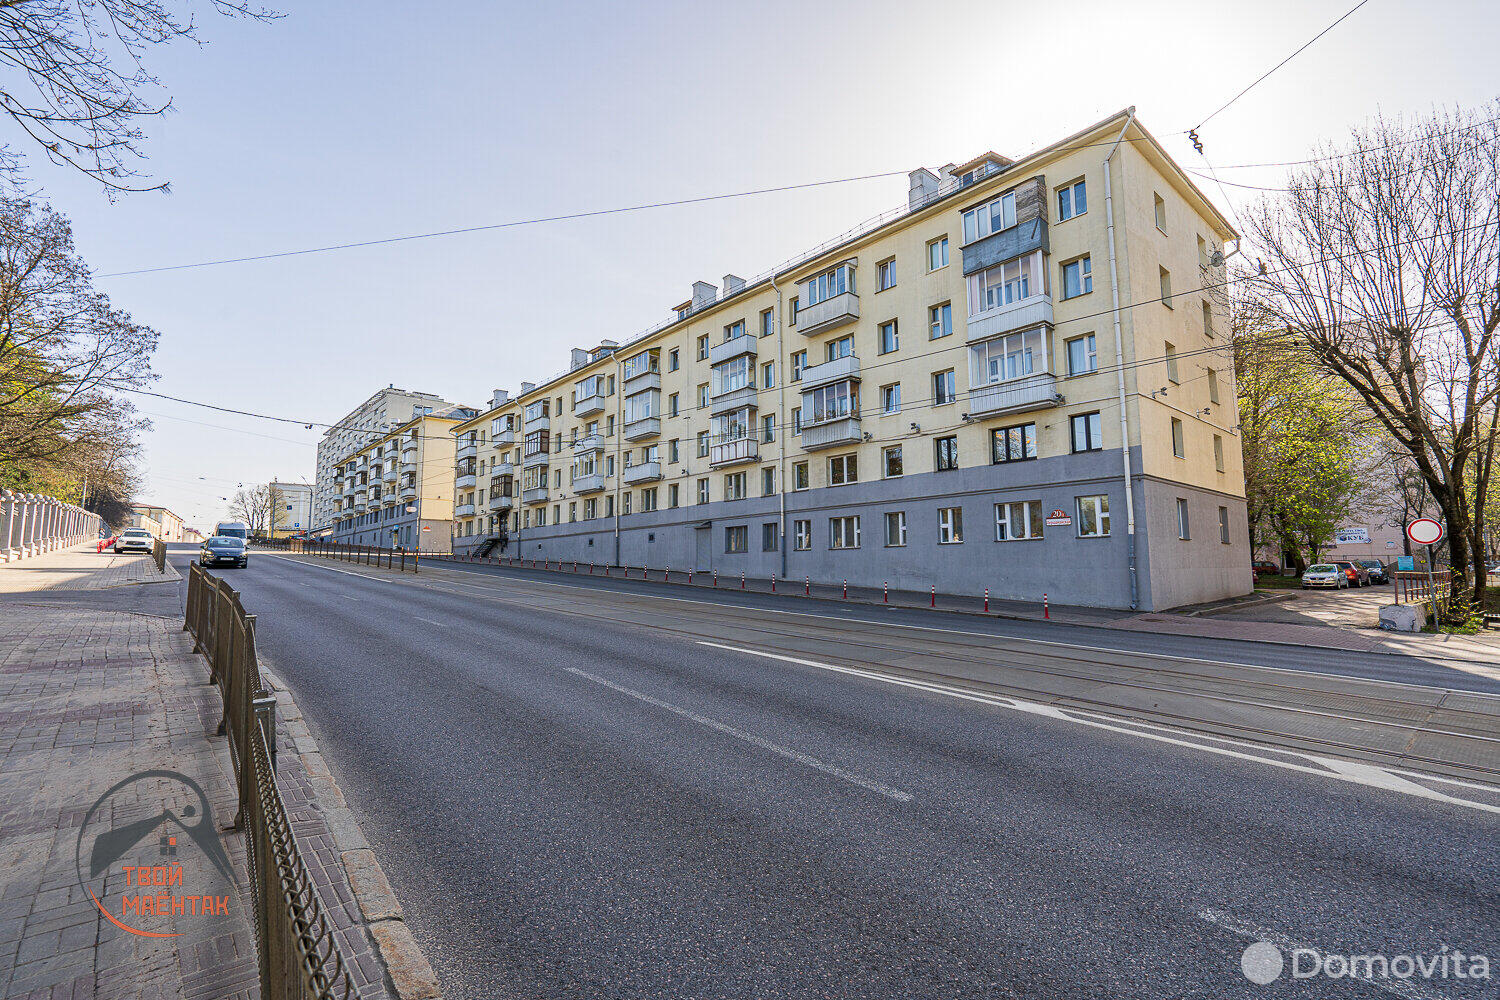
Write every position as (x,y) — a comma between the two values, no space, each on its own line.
(253,506)
(1385,260)
(78,84)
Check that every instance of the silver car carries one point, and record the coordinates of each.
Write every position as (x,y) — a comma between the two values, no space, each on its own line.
(1325,575)
(135,540)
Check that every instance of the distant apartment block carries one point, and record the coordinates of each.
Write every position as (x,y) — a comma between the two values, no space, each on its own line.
(160,521)
(372,418)
(291,508)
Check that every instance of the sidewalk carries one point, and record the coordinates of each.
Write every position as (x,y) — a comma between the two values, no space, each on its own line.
(92,698)
(81,568)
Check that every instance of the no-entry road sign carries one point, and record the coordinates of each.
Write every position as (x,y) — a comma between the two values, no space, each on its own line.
(1425,531)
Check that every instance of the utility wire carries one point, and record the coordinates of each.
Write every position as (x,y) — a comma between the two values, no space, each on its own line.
(1357,152)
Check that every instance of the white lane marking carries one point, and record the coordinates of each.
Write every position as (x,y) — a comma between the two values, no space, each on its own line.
(1354,775)
(427,620)
(1040,642)
(1400,987)
(750,738)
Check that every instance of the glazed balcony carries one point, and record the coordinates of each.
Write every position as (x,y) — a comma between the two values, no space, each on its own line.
(831,313)
(1034,310)
(588,443)
(467,451)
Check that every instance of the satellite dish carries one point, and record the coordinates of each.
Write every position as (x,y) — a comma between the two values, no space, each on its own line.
(1217,258)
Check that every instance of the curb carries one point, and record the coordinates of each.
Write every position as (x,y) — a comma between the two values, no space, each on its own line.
(410,973)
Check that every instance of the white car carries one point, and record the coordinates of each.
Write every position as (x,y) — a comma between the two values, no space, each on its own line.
(1325,575)
(135,540)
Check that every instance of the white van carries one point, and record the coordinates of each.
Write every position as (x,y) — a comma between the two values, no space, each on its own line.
(233,529)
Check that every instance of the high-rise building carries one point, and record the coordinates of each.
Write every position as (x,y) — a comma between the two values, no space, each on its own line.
(374,417)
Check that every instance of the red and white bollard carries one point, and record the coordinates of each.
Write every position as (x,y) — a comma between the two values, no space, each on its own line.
(986,600)
(807,586)
(742,581)
(1046,612)
(887,595)
(690,578)
(716,579)
(934,596)
(846,590)
(666,575)
(773,583)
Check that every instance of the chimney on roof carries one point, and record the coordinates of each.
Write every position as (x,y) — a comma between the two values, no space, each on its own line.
(580,358)
(704,294)
(924,185)
(498,397)
(732,284)
(527,387)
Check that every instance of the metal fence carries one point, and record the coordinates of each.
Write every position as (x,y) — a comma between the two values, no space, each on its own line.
(1423,588)
(401,560)
(299,959)
(159,554)
(31,524)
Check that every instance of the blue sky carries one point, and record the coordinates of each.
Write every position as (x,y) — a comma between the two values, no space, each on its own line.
(344,122)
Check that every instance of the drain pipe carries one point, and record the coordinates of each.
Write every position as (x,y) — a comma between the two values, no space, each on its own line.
(781,428)
(1114,291)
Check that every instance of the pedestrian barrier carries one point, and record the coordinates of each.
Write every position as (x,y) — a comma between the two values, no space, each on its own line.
(31,524)
(159,554)
(1433,589)
(299,959)
(401,560)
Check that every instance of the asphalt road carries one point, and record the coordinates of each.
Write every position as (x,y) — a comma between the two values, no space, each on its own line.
(587,805)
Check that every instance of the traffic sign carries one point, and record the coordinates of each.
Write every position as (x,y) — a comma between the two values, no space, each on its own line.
(1425,531)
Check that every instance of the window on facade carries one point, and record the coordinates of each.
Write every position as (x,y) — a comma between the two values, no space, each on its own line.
(703,347)
(1182,520)
(672,499)
(796,420)
(1013,444)
(590,509)
(889,339)
(736,373)
(794,305)
(890,398)
(1081,355)
(945,451)
(767,323)
(799,362)
(1224,525)
(1218,453)
(1018,521)
(840,348)
(834,401)
(950,525)
(734,330)
(736,538)
(768,375)
(767,481)
(702,440)
(991,217)
(940,321)
(1013,356)
(1213,386)
(1005,284)
(830,283)
(703,491)
(1179,448)
(1072,200)
(1170,355)
(843,469)
(1160,212)
(891,464)
(802,535)
(703,395)
(895,528)
(769,536)
(885,275)
(648,500)
(1093,516)
(942,387)
(843,532)
(1166,287)
(1208,321)
(799,476)
(734,486)
(672,405)
(672,362)
(768,427)
(937,254)
(1077,277)
(1087,432)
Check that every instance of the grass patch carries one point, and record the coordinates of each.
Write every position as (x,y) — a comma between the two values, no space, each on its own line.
(1278,582)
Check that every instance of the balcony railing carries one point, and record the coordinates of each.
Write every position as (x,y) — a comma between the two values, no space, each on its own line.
(467,451)
(537,424)
(504,437)
(408,493)
(535,459)
(410,468)
(592,483)
(831,433)
(1033,310)
(732,348)
(636,430)
(735,452)
(642,380)
(1035,392)
(464,510)
(466,481)
(733,399)
(833,311)
(409,448)
(501,501)
(588,443)
(587,405)
(644,472)
(390,474)
(830,371)
(499,469)
(535,495)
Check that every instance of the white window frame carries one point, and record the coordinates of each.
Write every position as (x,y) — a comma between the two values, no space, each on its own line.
(950,525)
(843,532)
(1099,505)
(1030,521)
(896,519)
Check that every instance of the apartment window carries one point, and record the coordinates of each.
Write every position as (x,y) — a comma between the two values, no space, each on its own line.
(1224,525)
(734,486)
(885,275)
(895,528)
(829,284)
(801,535)
(609,506)
(796,420)
(703,491)
(843,532)
(702,444)
(1178,447)
(830,402)
(1213,386)
(890,461)
(1018,521)
(1093,517)
(767,481)
(672,452)
(1013,444)
(541,517)
(769,535)
(799,476)
(648,500)
(702,395)
(937,254)
(672,360)
(889,339)
(795,304)
(768,375)
(1166,287)
(572,511)
(799,362)
(625,503)
(609,465)
(950,525)
(1160,212)
(672,495)
(672,405)
(1218,453)
(940,321)
(1208,321)
(991,217)
(736,538)
(1077,277)
(703,347)
(767,325)
(1087,432)
(1082,357)
(609,425)
(734,331)
(942,388)
(843,469)
(1182,520)
(1072,199)
(840,348)
(1170,355)
(768,427)
(945,451)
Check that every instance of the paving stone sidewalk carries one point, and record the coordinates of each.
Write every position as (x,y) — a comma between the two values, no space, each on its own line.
(91,697)
(81,568)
